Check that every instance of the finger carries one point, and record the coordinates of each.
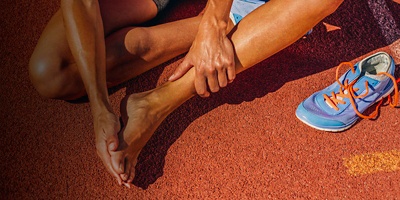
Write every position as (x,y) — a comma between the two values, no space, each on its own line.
(231,71)
(117,161)
(128,185)
(212,80)
(201,86)
(105,157)
(222,77)
(117,156)
(112,137)
(181,70)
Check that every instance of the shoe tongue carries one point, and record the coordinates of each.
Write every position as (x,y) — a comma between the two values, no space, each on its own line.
(373,76)
(350,76)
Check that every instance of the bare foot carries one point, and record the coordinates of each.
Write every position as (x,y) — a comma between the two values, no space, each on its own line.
(141,116)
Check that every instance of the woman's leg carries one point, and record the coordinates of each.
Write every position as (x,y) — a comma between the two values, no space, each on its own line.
(130,51)
(264,32)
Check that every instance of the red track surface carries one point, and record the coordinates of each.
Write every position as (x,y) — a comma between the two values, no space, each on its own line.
(242,143)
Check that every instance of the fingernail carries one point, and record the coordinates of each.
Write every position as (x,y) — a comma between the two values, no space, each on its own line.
(112,146)
(127,185)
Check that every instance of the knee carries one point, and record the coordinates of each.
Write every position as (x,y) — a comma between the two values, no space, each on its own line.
(43,72)
(139,42)
(322,9)
(329,6)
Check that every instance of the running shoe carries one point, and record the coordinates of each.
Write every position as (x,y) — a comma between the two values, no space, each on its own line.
(337,107)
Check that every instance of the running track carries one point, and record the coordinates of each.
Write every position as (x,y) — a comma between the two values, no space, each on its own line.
(242,143)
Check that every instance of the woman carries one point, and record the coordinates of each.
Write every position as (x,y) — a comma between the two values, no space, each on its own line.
(87,40)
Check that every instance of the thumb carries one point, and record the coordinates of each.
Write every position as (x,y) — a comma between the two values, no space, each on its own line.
(112,141)
(180,71)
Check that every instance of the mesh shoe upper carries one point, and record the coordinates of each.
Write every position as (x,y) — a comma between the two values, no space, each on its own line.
(354,92)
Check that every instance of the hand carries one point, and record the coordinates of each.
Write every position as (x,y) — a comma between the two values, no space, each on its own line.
(106,127)
(212,55)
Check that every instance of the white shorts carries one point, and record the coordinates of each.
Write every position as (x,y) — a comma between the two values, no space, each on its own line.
(241,8)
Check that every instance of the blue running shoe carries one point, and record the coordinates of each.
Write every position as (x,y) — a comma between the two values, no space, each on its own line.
(337,107)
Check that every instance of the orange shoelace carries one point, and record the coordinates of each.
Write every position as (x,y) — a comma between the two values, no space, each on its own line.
(347,91)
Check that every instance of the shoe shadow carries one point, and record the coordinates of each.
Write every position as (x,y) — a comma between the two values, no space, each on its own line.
(320,51)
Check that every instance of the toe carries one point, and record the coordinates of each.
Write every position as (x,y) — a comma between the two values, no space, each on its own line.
(131,175)
(126,174)
(133,170)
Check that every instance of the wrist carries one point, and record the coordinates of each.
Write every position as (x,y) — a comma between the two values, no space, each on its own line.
(98,99)
(213,27)
(217,13)
(213,23)
(99,107)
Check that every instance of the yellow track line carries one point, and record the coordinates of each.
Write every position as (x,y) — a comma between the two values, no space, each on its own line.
(373,163)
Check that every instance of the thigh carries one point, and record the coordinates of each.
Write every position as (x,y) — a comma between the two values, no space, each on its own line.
(52,55)
(123,13)
(53,46)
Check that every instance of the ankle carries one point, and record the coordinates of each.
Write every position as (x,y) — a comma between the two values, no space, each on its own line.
(160,102)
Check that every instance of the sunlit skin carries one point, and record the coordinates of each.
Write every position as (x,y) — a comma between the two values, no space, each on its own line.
(82,60)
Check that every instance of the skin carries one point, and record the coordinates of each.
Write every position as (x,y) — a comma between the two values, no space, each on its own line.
(85,36)
(252,40)
(82,62)
(74,54)
(211,53)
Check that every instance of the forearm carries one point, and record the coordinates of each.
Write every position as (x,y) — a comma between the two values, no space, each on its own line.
(211,52)
(85,35)
(216,15)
